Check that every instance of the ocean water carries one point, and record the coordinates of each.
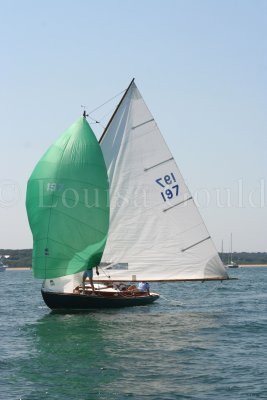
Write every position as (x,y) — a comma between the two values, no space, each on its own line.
(199,341)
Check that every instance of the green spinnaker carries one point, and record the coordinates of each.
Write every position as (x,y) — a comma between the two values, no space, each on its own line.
(68,204)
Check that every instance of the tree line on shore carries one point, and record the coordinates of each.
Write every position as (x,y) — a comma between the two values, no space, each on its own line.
(23,258)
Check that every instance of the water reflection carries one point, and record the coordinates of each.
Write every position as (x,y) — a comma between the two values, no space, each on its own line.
(98,355)
(69,357)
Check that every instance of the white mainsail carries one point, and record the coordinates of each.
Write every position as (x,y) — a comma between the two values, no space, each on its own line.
(156,231)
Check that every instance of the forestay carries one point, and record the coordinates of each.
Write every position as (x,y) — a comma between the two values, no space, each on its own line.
(156,231)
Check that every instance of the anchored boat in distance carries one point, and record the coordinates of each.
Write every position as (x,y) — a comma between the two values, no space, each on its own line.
(3,267)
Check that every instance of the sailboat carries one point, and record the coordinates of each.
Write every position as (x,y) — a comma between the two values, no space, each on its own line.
(150,230)
(231,263)
(3,267)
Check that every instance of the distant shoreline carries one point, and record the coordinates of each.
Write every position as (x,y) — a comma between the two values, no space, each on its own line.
(240,266)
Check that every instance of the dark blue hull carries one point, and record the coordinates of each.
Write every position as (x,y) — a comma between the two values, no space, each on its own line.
(69,301)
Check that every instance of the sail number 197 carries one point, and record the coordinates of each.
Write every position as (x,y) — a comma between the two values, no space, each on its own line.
(169,185)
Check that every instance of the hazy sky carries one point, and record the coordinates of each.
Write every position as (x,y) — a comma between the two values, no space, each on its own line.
(201,68)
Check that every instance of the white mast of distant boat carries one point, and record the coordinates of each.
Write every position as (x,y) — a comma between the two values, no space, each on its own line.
(231,263)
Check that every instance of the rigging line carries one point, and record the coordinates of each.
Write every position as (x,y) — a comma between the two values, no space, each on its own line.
(93,119)
(112,98)
(97,122)
(187,300)
(212,290)
(105,115)
(193,301)
(85,115)
(117,108)
(104,272)
(178,303)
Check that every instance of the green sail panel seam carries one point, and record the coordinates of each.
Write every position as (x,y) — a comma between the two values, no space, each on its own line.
(80,221)
(49,219)
(78,202)
(68,180)
(81,203)
(58,242)
(53,258)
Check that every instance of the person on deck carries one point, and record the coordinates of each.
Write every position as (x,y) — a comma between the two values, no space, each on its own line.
(144,287)
(89,274)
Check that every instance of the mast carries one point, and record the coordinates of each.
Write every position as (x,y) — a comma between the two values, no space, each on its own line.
(230,251)
(111,119)
(231,259)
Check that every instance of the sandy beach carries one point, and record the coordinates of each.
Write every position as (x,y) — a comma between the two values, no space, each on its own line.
(252,265)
